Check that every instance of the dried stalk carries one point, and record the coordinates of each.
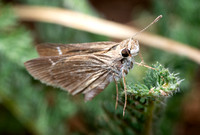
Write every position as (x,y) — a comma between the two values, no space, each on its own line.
(100,26)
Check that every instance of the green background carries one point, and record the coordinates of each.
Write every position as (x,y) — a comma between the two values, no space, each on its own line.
(29,107)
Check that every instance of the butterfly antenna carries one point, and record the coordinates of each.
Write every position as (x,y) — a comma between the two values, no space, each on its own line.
(158,18)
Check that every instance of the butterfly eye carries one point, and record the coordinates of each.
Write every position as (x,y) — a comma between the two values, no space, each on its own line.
(125,52)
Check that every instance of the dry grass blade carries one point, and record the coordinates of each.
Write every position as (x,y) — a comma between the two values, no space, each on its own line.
(100,26)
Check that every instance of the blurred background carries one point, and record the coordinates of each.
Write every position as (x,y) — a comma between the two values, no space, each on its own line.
(29,107)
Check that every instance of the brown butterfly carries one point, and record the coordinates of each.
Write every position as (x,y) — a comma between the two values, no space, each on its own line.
(84,68)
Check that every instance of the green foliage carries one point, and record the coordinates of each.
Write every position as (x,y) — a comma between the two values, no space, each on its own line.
(39,108)
(14,40)
(8,17)
(18,93)
(145,101)
(158,82)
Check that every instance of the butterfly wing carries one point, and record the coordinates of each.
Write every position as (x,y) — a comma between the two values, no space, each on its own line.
(87,74)
(51,49)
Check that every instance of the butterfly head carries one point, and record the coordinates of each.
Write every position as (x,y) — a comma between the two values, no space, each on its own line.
(129,47)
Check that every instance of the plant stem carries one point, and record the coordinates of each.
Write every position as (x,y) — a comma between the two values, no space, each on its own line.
(149,118)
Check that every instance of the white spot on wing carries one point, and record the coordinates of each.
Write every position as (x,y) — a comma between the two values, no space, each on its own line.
(52,63)
(59,50)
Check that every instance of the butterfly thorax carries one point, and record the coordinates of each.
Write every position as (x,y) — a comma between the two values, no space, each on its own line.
(127,64)
(122,66)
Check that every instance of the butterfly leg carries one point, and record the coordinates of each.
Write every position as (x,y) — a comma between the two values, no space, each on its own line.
(144,65)
(142,62)
(116,103)
(123,77)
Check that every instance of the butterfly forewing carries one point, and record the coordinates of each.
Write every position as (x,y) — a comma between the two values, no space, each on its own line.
(103,82)
(39,68)
(76,74)
(79,73)
(51,49)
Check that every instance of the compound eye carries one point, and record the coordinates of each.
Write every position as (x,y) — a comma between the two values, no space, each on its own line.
(125,52)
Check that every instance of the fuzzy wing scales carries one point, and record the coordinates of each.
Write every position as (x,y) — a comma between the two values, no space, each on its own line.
(85,74)
(39,68)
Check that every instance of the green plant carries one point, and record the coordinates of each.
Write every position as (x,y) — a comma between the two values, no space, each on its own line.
(145,102)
